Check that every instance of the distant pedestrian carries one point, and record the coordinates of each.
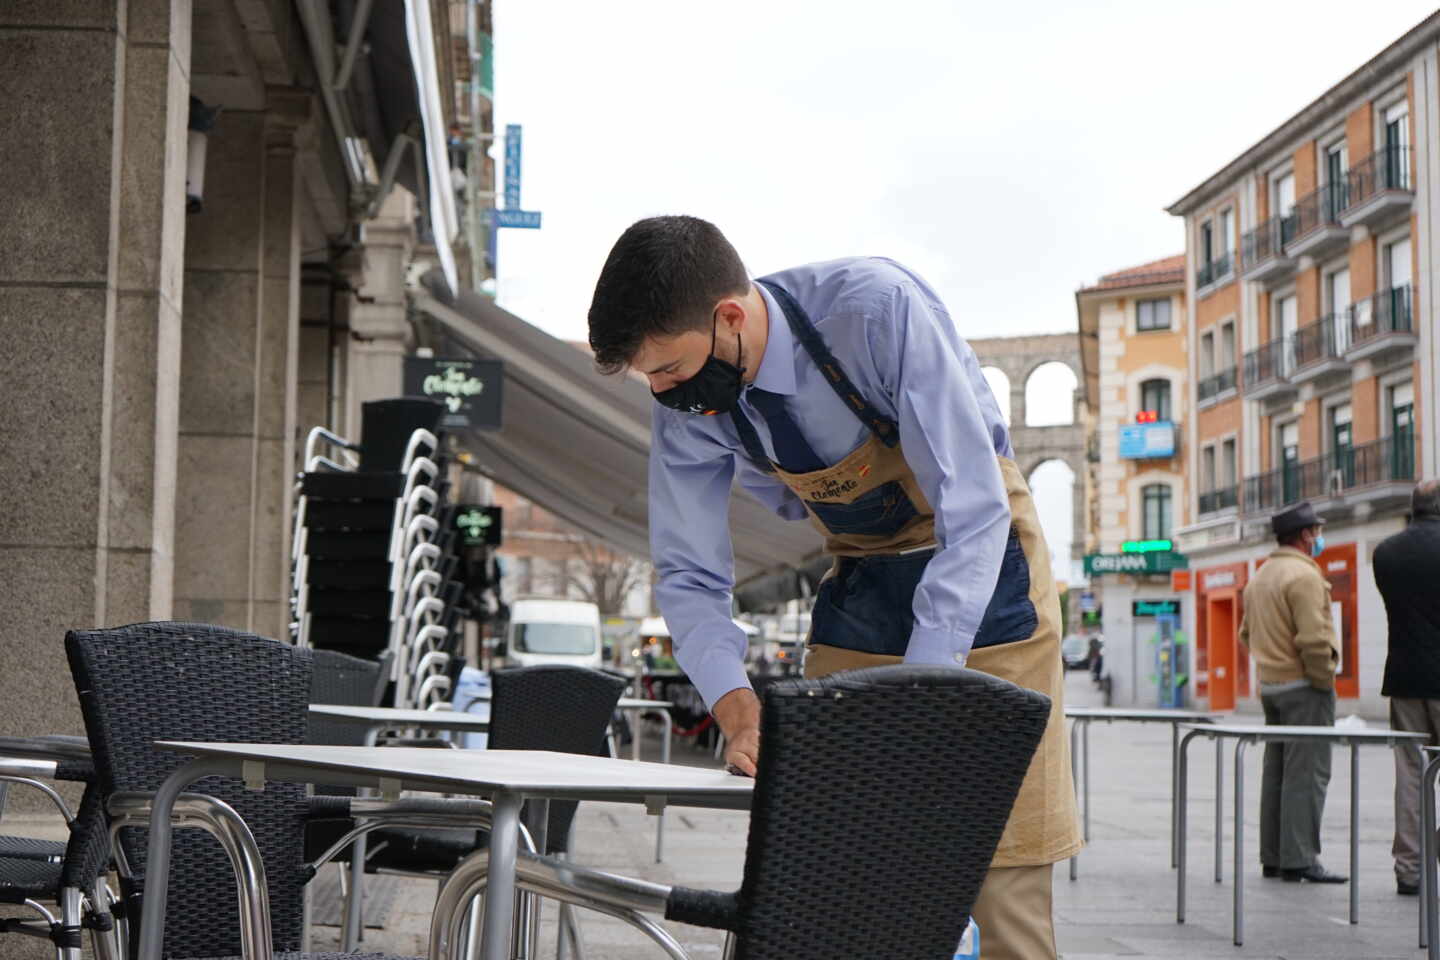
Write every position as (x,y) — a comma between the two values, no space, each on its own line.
(1097,657)
(1407,571)
(1288,629)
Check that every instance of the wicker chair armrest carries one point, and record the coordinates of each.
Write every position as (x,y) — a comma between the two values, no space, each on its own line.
(31,773)
(704,908)
(71,755)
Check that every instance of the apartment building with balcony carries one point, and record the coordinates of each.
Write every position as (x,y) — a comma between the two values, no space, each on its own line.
(1313,350)
(1133,331)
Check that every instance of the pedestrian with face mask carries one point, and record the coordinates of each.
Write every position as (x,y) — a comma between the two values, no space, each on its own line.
(1287,628)
(841,392)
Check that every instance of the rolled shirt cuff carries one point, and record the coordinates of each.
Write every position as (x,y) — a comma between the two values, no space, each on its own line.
(940,648)
(717,676)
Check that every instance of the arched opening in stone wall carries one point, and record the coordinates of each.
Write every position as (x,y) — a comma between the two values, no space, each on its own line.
(1000,387)
(1050,395)
(1052,485)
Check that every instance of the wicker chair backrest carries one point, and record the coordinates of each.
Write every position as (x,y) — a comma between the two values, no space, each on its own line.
(183,681)
(561,708)
(880,800)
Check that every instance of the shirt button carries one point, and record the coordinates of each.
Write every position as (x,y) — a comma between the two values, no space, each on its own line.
(960,659)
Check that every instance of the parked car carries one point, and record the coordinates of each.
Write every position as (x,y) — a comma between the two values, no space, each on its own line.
(1075,649)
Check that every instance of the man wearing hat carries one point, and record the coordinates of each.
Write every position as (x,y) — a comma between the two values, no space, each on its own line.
(1288,629)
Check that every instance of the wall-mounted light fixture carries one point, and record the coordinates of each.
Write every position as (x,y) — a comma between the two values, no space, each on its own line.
(202,120)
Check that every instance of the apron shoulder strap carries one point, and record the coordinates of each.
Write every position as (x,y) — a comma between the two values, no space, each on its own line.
(750,440)
(882,426)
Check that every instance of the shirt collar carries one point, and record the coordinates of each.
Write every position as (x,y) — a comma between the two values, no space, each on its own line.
(777,366)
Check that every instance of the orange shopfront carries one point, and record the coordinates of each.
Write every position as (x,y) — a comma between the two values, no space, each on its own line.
(1222,666)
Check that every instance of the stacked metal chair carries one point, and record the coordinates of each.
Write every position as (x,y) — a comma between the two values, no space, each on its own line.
(374,555)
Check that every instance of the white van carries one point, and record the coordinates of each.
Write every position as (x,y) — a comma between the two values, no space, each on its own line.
(553,631)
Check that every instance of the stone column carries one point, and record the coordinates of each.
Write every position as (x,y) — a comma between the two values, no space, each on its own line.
(277,361)
(380,333)
(218,382)
(93,146)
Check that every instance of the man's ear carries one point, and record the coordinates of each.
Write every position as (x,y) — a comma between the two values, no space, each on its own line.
(730,316)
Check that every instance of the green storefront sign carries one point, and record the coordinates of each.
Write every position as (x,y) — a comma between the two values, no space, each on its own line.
(1153,561)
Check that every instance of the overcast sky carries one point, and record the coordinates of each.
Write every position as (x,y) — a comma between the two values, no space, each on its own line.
(1009,152)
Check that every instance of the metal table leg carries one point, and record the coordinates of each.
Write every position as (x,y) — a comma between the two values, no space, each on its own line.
(1427,857)
(665,744)
(1425,851)
(1085,772)
(1182,781)
(354,930)
(1354,832)
(1075,777)
(1174,749)
(500,888)
(1240,745)
(157,851)
(1219,809)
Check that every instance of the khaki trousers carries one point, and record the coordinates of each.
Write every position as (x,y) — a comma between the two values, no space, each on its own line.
(1419,716)
(1014,909)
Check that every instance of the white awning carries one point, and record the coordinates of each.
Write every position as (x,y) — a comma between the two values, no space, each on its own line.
(578,444)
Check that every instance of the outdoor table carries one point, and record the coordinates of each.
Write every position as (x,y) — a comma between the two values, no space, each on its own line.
(1245,735)
(1082,717)
(507,777)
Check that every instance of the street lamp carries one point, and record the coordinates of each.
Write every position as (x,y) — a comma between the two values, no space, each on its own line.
(202,119)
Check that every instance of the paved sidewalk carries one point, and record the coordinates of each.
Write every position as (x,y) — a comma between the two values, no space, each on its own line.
(1123,904)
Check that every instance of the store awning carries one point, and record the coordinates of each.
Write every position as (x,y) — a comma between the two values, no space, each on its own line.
(578,445)
(381,83)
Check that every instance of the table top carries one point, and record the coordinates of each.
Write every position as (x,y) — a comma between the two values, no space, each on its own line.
(626,703)
(429,719)
(535,773)
(1143,715)
(1294,733)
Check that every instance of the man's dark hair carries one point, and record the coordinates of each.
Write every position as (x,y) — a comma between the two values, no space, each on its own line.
(1425,499)
(663,277)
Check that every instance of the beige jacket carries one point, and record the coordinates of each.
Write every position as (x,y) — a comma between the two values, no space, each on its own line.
(1287,625)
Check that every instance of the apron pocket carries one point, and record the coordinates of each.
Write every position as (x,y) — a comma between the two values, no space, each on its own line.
(881,512)
(868,605)
(1010,616)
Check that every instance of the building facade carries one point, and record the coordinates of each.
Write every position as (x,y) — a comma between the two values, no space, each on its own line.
(1133,334)
(1313,354)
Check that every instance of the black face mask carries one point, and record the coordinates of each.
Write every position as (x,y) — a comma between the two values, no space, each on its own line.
(715,388)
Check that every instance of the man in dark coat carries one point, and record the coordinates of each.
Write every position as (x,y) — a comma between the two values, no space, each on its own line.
(1407,571)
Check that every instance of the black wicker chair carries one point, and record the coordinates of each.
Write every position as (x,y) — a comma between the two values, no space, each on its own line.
(69,874)
(880,800)
(154,681)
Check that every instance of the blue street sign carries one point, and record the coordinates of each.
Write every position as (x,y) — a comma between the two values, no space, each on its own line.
(512,166)
(527,219)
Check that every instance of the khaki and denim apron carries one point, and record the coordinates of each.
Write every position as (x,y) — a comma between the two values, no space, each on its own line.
(881,530)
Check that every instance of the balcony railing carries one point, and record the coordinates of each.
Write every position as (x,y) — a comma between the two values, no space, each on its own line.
(1215,271)
(1389,311)
(1266,243)
(1267,364)
(1320,208)
(1325,340)
(1222,499)
(1216,385)
(1391,460)
(1385,169)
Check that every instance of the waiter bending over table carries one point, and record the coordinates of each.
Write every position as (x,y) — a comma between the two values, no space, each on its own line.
(842,392)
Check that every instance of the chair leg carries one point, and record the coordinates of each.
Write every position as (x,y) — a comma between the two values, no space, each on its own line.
(727,952)
(72,912)
(108,943)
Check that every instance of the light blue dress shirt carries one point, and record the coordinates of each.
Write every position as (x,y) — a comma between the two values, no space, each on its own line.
(894,339)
